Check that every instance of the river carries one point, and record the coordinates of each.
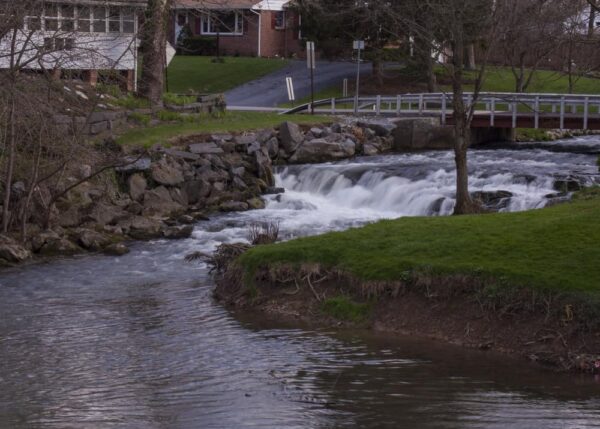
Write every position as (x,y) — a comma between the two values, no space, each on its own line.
(137,341)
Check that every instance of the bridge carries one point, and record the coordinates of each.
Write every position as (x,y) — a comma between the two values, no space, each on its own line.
(492,110)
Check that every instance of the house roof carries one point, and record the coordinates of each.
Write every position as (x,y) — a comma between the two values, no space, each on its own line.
(231,4)
(136,3)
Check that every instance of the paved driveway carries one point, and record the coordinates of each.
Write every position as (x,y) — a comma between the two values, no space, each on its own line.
(270,90)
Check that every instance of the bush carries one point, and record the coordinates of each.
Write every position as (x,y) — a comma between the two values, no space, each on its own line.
(132,102)
(198,45)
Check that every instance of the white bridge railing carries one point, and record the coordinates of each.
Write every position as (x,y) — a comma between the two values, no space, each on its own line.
(494,105)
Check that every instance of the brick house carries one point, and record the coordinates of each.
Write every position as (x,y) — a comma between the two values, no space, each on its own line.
(267,28)
(77,38)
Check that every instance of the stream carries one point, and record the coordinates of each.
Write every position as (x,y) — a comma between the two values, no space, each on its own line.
(137,341)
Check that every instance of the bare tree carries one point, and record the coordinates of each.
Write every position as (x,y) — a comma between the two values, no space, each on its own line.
(154,45)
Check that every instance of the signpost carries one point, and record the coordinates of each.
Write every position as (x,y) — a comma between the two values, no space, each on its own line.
(345,88)
(358,45)
(290,89)
(311,64)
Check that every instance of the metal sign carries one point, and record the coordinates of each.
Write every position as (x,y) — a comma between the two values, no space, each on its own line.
(290,88)
(359,45)
(310,55)
(170,53)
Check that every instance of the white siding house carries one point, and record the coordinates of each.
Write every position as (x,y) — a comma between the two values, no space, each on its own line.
(83,36)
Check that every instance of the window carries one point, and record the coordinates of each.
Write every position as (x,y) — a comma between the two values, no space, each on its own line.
(51,18)
(223,23)
(114,20)
(279,20)
(33,23)
(128,16)
(83,19)
(67,18)
(99,20)
(58,44)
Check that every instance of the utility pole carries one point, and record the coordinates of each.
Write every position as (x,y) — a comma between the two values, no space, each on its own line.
(358,46)
(311,64)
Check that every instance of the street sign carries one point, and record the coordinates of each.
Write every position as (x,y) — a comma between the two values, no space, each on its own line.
(290,88)
(170,53)
(359,45)
(310,55)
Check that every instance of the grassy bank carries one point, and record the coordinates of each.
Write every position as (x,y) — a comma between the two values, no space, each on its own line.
(201,74)
(557,248)
(229,122)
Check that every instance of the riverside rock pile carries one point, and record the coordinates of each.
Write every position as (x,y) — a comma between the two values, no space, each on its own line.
(164,194)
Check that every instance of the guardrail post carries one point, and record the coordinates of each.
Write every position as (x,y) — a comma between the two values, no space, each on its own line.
(399,105)
(443,109)
(562,113)
(537,112)
(586,112)
(378,105)
(514,112)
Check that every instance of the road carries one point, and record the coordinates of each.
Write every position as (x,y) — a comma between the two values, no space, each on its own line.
(270,90)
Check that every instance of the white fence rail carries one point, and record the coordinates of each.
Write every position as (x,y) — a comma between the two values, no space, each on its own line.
(495,105)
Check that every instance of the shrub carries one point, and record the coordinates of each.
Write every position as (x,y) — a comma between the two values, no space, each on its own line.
(198,45)
(266,233)
(132,102)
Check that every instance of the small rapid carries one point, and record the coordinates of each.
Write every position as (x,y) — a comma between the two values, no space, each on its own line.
(137,342)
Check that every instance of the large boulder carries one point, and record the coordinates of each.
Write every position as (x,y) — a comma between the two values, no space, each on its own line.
(290,136)
(167,173)
(11,251)
(493,200)
(158,202)
(321,150)
(105,214)
(117,249)
(264,166)
(91,240)
(50,243)
(142,228)
(177,232)
(137,186)
(197,190)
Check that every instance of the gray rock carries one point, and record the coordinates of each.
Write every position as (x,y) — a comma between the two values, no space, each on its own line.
(117,249)
(233,206)
(11,251)
(290,136)
(494,200)
(422,134)
(256,203)
(137,186)
(104,214)
(167,173)
(320,150)
(177,232)
(91,240)
(186,220)
(85,170)
(380,130)
(205,148)
(272,146)
(265,135)
(238,183)
(18,188)
(336,128)
(135,208)
(134,164)
(370,149)
(158,202)
(196,190)
(179,196)
(221,137)
(274,191)
(56,245)
(317,132)
(253,147)
(142,228)
(188,156)
(70,218)
(239,171)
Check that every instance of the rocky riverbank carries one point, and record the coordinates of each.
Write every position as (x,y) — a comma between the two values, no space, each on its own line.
(162,193)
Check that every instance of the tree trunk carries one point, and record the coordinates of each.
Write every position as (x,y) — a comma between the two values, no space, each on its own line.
(592,19)
(10,165)
(431,78)
(471,61)
(154,45)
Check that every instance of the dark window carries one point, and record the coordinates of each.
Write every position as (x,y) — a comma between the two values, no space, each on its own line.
(59,44)
(83,19)
(99,20)
(48,44)
(280,20)
(114,20)
(128,16)
(34,23)
(67,18)
(69,44)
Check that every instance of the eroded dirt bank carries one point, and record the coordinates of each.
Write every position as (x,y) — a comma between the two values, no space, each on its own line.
(557,331)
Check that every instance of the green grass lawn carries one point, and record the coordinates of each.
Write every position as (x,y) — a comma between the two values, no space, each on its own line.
(200,74)
(229,122)
(557,248)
